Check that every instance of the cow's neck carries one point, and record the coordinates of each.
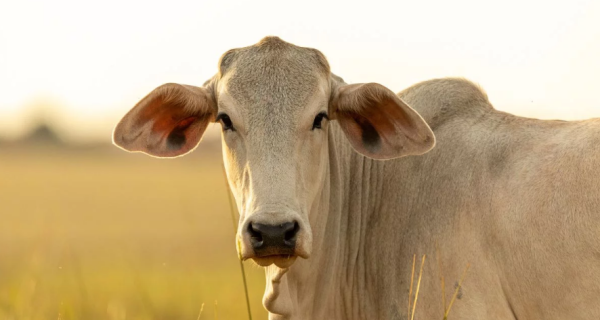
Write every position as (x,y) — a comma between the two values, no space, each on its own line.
(339,220)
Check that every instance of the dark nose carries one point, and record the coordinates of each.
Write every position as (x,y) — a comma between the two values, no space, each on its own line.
(268,240)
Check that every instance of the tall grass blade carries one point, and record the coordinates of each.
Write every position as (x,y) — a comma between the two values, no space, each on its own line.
(412,316)
(412,278)
(201,309)
(233,220)
(456,291)
(216,317)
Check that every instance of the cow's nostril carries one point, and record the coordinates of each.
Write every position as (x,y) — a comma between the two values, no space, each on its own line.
(291,230)
(254,232)
(255,236)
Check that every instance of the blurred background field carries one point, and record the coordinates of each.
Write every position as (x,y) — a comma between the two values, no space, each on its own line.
(93,232)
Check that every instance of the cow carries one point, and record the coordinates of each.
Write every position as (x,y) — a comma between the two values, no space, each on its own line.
(340,185)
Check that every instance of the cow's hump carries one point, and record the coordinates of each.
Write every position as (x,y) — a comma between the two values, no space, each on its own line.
(440,100)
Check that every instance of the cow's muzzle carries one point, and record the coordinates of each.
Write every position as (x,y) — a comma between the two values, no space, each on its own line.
(273,240)
(269,239)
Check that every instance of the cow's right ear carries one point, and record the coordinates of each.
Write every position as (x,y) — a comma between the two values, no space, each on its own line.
(168,122)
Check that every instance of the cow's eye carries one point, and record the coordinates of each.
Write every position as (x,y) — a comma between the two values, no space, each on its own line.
(225,122)
(318,120)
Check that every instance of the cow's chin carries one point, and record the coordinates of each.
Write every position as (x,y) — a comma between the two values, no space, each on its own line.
(282,261)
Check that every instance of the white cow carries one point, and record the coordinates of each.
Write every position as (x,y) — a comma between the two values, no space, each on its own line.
(517,198)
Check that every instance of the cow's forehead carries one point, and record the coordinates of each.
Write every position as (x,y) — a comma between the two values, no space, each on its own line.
(273,76)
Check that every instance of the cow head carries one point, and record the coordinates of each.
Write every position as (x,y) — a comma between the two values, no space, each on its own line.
(275,102)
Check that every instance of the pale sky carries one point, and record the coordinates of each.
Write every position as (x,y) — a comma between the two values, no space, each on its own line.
(92,61)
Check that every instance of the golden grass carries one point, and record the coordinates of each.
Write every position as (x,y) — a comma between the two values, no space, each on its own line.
(412,314)
(413,303)
(110,235)
(447,312)
(412,278)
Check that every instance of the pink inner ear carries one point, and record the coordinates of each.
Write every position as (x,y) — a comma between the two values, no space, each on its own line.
(183,124)
(392,120)
(183,136)
(358,125)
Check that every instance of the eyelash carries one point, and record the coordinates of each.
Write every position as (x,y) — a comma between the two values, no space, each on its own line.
(225,122)
(318,119)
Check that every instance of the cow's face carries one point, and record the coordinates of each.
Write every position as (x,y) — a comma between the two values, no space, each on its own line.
(274,102)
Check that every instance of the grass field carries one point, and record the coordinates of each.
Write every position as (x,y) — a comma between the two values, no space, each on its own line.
(102,234)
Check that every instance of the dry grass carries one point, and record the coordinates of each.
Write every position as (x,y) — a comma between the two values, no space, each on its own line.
(110,235)
(412,304)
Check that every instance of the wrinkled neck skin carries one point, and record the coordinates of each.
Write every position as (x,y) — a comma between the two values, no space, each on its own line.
(324,286)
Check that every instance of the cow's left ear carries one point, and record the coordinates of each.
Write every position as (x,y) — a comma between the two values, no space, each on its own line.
(378,123)
(168,122)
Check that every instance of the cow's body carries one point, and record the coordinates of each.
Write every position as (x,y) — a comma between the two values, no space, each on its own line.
(518,199)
